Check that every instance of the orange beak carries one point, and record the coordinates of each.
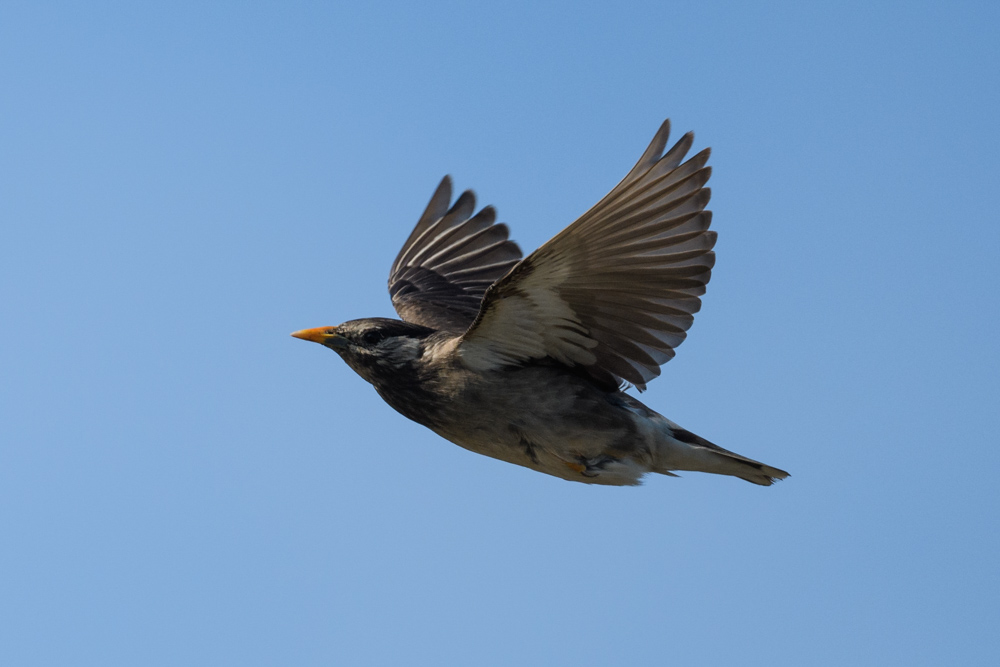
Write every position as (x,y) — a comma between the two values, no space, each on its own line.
(319,335)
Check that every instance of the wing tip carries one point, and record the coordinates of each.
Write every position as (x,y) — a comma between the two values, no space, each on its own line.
(465,204)
(443,191)
(658,144)
(664,129)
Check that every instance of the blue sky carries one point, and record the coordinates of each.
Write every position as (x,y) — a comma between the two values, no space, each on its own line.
(183,184)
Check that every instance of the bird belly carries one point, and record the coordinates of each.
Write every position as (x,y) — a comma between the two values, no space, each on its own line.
(551,422)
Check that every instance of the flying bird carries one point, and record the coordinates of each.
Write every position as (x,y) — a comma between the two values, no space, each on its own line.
(526,360)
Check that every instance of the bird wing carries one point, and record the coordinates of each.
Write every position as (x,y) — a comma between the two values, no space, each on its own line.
(616,291)
(443,271)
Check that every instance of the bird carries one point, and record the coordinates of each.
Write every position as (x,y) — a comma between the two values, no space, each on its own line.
(529,359)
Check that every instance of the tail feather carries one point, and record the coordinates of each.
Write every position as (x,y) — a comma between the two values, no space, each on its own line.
(703,456)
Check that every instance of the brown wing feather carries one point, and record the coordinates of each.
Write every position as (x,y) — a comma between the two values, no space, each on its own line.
(450,259)
(616,291)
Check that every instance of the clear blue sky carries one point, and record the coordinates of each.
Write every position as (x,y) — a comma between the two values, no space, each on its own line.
(183,184)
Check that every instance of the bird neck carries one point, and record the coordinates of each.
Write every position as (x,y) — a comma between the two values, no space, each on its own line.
(407,378)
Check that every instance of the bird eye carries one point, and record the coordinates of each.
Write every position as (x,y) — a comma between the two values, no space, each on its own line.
(372,337)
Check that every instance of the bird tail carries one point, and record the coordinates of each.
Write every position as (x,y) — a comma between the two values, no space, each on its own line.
(683,450)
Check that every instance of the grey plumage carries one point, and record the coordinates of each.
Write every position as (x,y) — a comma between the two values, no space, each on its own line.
(523,359)
(448,262)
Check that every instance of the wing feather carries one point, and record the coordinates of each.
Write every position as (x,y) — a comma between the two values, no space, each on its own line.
(616,291)
(449,261)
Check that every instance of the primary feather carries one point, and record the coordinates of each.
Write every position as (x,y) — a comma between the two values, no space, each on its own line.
(448,262)
(616,291)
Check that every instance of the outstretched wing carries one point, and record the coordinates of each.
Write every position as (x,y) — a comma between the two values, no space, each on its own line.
(616,291)
(443,271)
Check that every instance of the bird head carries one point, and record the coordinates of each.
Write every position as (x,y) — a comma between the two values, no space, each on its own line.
(374,347)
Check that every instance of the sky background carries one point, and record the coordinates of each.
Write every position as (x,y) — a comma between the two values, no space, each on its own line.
(183,184)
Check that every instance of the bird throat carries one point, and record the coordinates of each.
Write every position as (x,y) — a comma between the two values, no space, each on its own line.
(402,381)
